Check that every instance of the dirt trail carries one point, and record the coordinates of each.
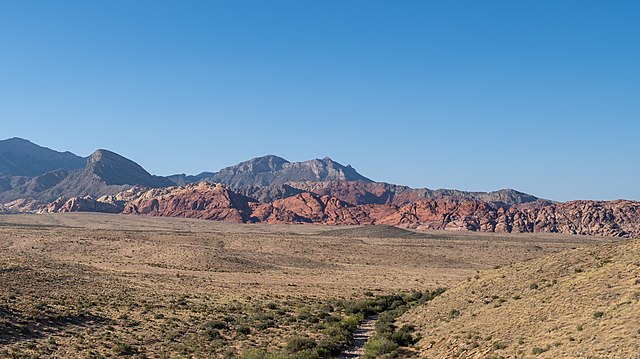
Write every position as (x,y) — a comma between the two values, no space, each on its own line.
(366,330)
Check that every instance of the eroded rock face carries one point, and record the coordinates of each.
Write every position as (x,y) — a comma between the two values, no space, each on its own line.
(606,218)
(83,204)
(311,208)
(202,201)
(218,202)
(361,192)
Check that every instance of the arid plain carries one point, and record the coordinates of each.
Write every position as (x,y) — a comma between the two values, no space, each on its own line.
(95,285)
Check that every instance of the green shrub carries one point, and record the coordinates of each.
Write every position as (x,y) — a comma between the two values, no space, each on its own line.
(537,350)
(403,337)
(499,345)
(123,349)
(598,314)
(243,329)
(212,334)
(378,346)
(215,324)
(299,344)
(453,313)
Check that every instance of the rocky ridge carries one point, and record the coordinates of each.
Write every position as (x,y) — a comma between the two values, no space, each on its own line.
(22,158)
(358,192)
(273,170)
(104,173)
(218,202)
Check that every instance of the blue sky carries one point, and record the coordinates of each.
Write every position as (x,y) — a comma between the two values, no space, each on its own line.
(541,96)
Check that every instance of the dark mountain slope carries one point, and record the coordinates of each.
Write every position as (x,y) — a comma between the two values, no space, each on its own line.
(105,173)
(113,169)
(19,157)
(273,170)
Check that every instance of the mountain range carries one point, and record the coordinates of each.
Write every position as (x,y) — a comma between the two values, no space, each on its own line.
(271,189)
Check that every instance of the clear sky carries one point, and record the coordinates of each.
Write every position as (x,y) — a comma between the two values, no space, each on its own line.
(540,96)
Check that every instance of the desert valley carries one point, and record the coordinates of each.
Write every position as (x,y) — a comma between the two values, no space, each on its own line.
(278,259)
(319,179)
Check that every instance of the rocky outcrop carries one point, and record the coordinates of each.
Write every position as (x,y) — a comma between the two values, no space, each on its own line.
(604,218)
(358,192)
(270,178)
(219,202)
(83,204)
(202,201)
(311,208)
(273,170)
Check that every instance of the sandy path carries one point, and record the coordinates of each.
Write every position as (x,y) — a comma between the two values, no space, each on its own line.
(366,330)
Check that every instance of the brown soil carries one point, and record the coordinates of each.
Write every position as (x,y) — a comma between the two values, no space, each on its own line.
(92,285)
(581,303)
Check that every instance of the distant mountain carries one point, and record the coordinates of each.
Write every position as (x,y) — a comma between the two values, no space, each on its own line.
(273,170)
(182,179)
(32,176)
(113,169)
(104,173)
(219,202)
(19,157)
(387,193)
(270,178)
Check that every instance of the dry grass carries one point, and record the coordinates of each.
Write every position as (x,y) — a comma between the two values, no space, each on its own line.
(94,285)
(581,303)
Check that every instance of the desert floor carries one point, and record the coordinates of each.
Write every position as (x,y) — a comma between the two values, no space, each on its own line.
(95,285)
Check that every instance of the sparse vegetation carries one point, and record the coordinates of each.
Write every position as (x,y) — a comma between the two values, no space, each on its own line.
(541,307)
(598,314)
(191,289)
(538,350)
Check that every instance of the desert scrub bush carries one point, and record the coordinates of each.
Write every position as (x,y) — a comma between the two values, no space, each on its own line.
(498,346)
(123,349)
(404,336)
(598,314)
(300,344)
(538,350)
(262,354)
(337,319)
(243,330)
(216,324)
(380,346)
(388,339)
(453,313)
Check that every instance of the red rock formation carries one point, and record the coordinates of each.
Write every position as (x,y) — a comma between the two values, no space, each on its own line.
(311,208)
(218,202)
(364,192)
(203,201)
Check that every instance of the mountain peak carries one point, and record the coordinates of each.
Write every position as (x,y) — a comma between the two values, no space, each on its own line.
(115,169)
(17,140)
(105,155)
(20,157)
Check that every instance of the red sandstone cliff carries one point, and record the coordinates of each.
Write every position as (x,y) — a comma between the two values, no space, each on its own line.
(217,202)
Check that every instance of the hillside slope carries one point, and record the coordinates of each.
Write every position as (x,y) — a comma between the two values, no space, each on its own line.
(20,157)
(358,192)
(273,170)
(104,173)
(577,303)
